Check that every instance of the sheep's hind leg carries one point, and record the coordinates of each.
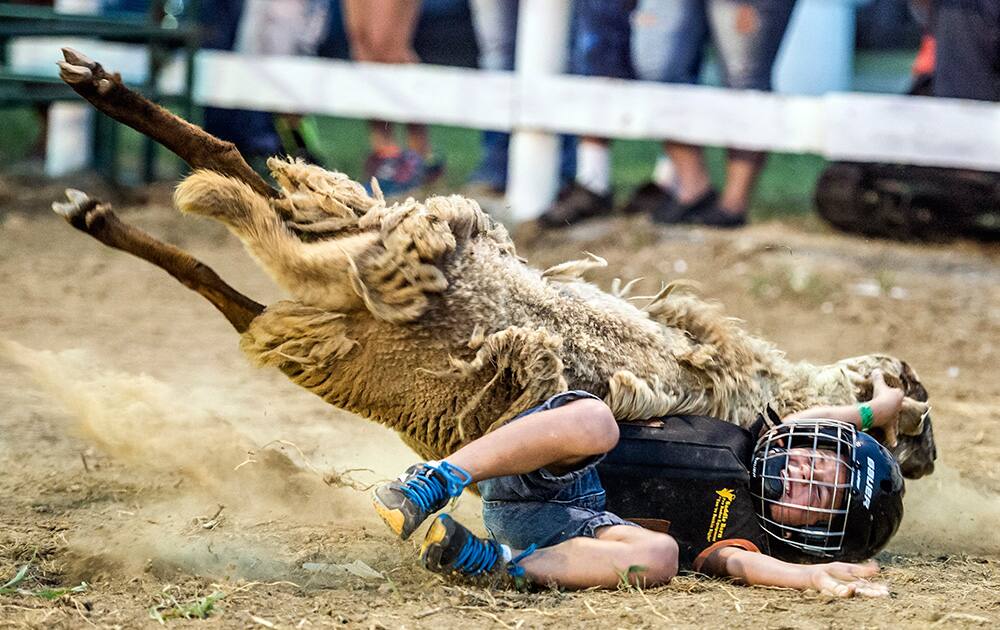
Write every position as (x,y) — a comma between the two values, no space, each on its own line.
(108,94)
(96,219)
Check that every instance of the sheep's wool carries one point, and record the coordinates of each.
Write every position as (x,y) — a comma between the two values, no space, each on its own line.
(421,316)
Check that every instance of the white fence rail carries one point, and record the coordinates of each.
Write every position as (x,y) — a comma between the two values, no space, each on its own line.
(842,126)
(868,127)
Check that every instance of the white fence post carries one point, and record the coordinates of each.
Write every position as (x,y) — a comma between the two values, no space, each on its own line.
(542,49)
(70,138)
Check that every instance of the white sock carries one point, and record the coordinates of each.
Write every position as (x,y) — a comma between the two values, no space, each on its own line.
(593,166)
(664,174)
(505,553)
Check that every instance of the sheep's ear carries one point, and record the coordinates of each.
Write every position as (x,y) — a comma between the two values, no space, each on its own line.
(912,386)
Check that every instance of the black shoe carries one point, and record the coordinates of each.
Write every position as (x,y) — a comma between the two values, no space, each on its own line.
(574,204)
(673,211)
(647,198)
(717,217)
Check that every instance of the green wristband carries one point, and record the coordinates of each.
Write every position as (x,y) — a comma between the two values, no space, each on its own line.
(867,416)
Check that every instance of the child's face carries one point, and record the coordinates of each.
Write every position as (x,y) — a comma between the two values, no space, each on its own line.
(812,479)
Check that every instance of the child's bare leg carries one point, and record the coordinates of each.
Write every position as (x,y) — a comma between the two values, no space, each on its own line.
(555,438)
(644,557)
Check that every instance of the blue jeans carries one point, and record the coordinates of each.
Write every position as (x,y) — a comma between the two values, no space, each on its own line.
(600,41)
(669,39)
(599,46)
(545,508)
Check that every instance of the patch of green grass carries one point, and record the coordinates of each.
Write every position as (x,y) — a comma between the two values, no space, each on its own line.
(20,130)
(198,608)
(13,587)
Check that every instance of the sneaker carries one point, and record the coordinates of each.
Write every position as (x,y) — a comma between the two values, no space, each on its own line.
(434,167)
(397,171)
(451,549)
(673,211)
(715,216)
(646,198)
(419,492)
(575,203)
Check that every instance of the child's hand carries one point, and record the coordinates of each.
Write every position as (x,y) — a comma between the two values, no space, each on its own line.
(886,403)
(842,579)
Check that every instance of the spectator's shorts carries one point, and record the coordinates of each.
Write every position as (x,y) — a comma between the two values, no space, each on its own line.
(600,39)
(669,38)
(544,508)
(289,27)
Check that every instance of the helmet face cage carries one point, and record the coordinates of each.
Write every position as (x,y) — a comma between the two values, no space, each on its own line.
(828,440)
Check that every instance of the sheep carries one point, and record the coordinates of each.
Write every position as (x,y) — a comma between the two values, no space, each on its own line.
(421,316)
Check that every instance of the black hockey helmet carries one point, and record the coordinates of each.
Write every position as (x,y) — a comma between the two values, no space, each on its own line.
(860,494)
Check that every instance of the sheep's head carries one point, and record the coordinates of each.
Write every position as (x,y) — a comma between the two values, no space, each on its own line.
(915,448)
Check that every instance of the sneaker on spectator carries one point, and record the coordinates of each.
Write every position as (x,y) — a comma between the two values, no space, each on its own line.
(575,203)
(397,171)
(714,216)
(672,211)
(434,167)
(646,198)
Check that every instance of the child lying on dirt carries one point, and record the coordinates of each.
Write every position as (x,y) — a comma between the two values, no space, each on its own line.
(834,494)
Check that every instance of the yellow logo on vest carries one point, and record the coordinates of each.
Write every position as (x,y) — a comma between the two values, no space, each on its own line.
(720,515)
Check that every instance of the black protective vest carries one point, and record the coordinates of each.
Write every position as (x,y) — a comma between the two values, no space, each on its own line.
(692,471)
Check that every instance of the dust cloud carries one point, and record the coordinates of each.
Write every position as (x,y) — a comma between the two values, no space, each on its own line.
(199,453)
(147,424)
(946,513)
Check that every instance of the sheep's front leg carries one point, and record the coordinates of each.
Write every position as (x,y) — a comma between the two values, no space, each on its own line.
(96,219)
(108,94)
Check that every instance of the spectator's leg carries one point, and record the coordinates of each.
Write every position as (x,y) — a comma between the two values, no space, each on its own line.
(389,27)
(253,133)
(593,165)
(968,49)
(668,42)
(291,27)
(496,31)
(747,34)
(381,31)
(601,49)
(693,181)
(495,22)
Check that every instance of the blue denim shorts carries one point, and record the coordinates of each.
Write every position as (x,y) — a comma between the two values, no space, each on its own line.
(669,38)
(600,39)
(544,508)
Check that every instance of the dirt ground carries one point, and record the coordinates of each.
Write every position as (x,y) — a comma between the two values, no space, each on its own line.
(147,467)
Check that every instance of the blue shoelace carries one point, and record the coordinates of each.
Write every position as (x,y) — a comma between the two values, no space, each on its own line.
(476,556)
(427,491)
(515,569)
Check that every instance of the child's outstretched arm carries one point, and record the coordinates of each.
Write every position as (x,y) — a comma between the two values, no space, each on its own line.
(885,405)
(838,579)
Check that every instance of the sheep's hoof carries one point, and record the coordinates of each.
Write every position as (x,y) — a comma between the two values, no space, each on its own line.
(79,69)
(79,209)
